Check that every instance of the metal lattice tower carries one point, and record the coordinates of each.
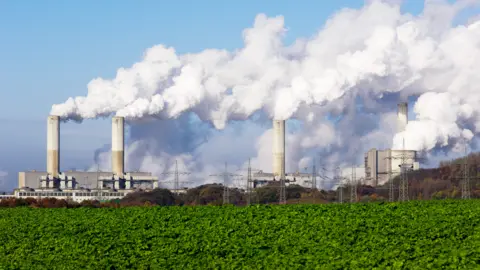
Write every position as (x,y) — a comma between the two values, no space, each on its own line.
(406,165)
(176,181)
(314,176)
(325,179)
(404,168)
(249,183)
(226,195)
(226,189)
(403,188)
(338,178)
(98,173)
(283,193)
(466,176)
(391,187)
(353,186)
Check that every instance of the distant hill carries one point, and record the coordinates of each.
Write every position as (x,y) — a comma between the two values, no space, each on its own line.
(441,182)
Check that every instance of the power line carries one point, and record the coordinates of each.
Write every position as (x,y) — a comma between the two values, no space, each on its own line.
(391,187)
(176,180)
(466,176)
(326,179)
(338,177)
(314,180)
(404,167)
(250,182)
(283,193)
(403,191)
(353,186)
(226,190)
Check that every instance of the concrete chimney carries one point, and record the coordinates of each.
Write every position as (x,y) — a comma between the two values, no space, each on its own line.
(402,117)
(279,149)
(53,145)
(118,145)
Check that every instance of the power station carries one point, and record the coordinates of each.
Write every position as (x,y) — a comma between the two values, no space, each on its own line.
(382,165)
(261,178)
(81,185)
(379,167)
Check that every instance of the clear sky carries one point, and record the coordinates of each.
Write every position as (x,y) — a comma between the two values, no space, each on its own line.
(51,49)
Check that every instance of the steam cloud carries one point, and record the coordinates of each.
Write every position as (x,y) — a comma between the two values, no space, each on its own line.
(342,86)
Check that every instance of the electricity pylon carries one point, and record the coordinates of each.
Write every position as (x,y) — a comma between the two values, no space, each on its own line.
(314,175)
(249,184)
(466,176)
(314,180)
(353,186)
(283,193)
(338,178)
(404,168)
(226,190)
(176,180)
(391,187)
(403,188)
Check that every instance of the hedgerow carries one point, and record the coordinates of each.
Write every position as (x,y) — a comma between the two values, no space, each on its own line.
(413,235)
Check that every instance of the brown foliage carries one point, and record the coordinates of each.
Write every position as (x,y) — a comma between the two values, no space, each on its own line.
(424,184)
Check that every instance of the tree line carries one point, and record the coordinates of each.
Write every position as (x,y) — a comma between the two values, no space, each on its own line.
(425,184)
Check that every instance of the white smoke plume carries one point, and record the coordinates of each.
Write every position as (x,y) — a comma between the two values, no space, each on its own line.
(341,86)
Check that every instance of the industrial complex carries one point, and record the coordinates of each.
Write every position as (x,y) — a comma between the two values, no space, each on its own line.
(382,165)
(82,185)
(261,178)
(379,167)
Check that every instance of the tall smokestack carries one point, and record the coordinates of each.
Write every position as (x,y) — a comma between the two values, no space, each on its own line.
(118,145)
(402,117)
(53,145)
(279,148)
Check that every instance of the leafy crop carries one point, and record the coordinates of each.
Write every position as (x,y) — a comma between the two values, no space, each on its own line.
(413,235)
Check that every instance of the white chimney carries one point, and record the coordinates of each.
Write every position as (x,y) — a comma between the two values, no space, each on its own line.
(53,145)
(279,149)
(402,117)
(118,145)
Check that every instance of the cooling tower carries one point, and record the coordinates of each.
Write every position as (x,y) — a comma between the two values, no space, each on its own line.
(117,145)
(53,145)
(402,117)
(279,148)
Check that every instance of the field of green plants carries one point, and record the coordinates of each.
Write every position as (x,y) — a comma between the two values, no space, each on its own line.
(412,235)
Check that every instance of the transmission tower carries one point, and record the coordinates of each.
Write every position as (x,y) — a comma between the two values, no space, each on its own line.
(406,165)
(403,189)
(391,187)
(250,181)
(325,179)
(466,176)
(283,192)
(176,180)
(338,178)
(353,186)
(314,176)
(226,190)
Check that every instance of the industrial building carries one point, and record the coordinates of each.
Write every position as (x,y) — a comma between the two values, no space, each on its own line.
(381,165)
(82,185)
(261,178)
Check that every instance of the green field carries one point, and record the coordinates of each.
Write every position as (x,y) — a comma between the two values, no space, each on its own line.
(413,235)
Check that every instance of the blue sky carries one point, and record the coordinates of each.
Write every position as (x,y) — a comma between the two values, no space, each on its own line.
(51,49)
